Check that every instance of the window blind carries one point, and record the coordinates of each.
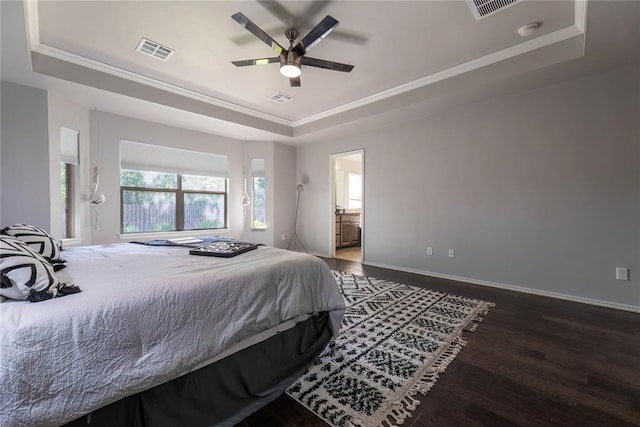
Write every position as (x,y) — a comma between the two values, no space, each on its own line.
(156,158)
(257,167)
(69,146)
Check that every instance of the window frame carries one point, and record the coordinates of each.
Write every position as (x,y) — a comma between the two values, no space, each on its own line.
(69,156)
(69,204)
(258,167)
(179,195)
(253,203)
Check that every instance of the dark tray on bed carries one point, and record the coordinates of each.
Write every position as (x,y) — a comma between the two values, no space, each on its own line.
(224,249)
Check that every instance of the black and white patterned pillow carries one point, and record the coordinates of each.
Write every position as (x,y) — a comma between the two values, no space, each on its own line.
(26,275)
(38,239)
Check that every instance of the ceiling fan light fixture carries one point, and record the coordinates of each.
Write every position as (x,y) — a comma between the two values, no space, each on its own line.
(290,63)
(290,70)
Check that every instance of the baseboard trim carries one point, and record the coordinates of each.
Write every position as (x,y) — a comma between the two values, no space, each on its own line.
(538,292)
(320,254)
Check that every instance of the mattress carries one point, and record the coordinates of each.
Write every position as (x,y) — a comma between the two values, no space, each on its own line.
(145,316)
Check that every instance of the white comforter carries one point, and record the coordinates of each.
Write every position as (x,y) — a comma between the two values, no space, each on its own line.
(145,315)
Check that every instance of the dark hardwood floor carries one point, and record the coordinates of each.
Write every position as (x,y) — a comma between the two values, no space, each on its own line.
(533,361)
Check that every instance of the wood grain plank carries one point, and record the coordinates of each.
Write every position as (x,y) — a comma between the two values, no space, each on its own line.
(533,361)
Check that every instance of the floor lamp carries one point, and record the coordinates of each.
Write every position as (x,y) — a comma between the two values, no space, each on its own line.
(295,223)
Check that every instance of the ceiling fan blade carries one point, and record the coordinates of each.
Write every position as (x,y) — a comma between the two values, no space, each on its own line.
(256,31)
(316,35)
(258,61)
(300,22)
(314,8)
(294,81)
(280,12)
(289,19)
(246,38)
(349,37)
(329,65)
(341,35)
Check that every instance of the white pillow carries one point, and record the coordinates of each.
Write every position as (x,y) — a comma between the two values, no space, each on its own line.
(26,275)
(39,240)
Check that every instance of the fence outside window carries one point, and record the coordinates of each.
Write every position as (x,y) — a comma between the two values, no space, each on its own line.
(153,201)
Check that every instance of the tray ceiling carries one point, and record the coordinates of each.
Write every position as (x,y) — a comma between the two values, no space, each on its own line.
(403,52)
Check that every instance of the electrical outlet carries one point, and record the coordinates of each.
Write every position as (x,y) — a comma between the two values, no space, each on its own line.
(452,253)
(429,251)
(622,273)
(283,237)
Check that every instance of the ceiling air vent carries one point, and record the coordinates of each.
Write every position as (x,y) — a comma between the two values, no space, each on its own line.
(280,97)
(154,49)
(482,8)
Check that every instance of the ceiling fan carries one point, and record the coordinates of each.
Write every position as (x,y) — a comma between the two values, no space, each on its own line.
(302,19)
(293,58)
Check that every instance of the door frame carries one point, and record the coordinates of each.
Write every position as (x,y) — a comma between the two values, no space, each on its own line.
(332,200)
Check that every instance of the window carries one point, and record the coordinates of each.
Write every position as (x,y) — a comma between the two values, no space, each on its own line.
(69,161)
(155,201)
(258,210)
(355,191)
(169,189)
(66,189)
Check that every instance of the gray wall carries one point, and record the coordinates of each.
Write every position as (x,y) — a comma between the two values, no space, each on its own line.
(25,156)
(65,113)
(108,129)
(107,132)
(537,190)
(30,142)
(284,180)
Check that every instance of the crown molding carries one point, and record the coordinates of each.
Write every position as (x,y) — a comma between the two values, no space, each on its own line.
(35,45)
(31,23)
(580,15)
(577,29)
(510,52)
(148,81)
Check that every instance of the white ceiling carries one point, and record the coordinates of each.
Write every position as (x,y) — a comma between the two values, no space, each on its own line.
(408,55)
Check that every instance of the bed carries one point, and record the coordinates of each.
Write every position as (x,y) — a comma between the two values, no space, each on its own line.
(160,337)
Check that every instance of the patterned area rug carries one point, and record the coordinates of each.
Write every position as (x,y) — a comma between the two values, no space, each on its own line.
(394,342)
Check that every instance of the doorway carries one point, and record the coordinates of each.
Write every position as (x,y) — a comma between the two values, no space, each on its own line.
(347,205)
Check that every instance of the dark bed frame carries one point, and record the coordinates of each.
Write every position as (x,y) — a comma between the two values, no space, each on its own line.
(225,392)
